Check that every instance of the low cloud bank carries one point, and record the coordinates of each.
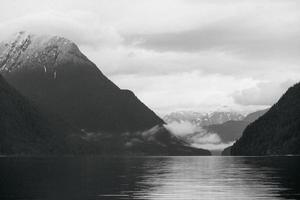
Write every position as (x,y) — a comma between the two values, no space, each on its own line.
(197,136)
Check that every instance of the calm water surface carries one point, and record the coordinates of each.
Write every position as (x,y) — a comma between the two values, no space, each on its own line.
(156,178)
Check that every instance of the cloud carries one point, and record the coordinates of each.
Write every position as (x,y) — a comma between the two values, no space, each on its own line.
(192,133)
(79,26)
(129,60)
(184,91)
(251,35)
(264,93)
(196,136)
(204,137)
(183,128)
(191,54)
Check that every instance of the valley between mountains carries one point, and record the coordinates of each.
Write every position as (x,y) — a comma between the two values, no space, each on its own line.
(54,100)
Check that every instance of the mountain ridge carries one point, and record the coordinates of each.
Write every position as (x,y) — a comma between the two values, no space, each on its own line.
(51,72)
(276,132)
(202,118)
(71,81)
(233,129)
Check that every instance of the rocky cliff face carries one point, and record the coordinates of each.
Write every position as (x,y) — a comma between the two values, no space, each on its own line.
(52,72)
(276,132)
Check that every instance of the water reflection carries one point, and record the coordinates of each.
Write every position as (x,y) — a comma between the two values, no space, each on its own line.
(150,178)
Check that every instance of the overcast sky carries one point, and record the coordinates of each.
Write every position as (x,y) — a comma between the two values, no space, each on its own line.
(178,54)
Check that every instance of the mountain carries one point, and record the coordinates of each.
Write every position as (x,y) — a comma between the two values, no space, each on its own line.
(276,132)
(202,119)
(25,130)
(202,129)
(255,115)
(228,125)
(51,72)
(232,130)
(156,141)
(226,151)
(228,131)
(228,128)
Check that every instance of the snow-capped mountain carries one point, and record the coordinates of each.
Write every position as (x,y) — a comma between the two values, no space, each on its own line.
(202,118)
(59,79)
(52,72)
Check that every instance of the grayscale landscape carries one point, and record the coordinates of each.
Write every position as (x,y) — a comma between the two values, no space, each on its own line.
(140,99)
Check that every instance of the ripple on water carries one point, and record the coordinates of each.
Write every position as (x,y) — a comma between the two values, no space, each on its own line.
(147,178)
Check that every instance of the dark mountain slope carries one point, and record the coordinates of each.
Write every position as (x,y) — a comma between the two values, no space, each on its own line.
(228,131)
(25,130)
(275,133)
(59,79)
(226,151)
(52,72)
(155,141)
(232,130)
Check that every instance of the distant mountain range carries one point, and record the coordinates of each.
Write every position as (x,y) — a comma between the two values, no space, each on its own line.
(229,126)
(54,100)
(232,130)
(52,73)
(202,118)
(276,132)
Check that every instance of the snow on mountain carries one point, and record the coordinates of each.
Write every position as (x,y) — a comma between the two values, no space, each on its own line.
(201,118)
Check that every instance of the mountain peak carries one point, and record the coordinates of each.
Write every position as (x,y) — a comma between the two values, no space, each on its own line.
(41,51)
(70,85)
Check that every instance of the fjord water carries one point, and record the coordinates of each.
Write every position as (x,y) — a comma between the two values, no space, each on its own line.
(149,178)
